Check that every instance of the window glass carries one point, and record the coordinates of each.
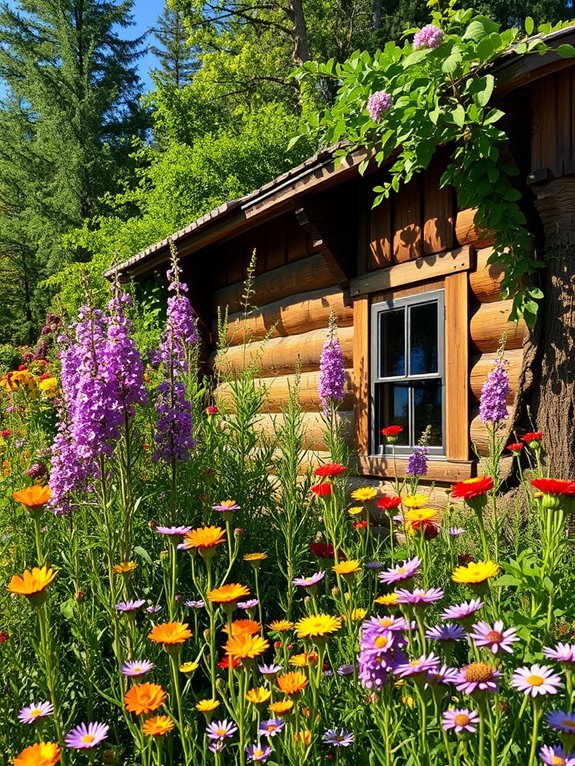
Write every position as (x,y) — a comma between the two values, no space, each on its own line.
(392,343)
(423,339)
(393,406)
(427,410)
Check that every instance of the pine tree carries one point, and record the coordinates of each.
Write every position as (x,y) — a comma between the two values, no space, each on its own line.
(177,62)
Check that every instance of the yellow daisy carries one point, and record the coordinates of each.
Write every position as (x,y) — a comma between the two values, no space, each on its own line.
(363,494)
(258,696)
(414,501)
(245,646)
(345,568)
(475,572)
(317,626)
(304,660)
(207,705)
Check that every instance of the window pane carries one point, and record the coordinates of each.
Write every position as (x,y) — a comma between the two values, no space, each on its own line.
(392,343)
(427,410)
(423,347)
(392,409)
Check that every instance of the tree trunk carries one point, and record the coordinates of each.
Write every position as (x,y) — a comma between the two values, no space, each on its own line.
(301,41)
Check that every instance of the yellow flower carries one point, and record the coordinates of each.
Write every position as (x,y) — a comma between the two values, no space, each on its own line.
(414,501)
(421,515)
(33,497)
(228,594)
(258,696)
(170,633)
(292,683)
(363,494)
(246,647)
(388,599)
(32,584)
(251,627)
(358,614)
(282,707)
(304,660)
(125,567)
(188,667)
(408,701)
(303,736)
(317,625)
(356,510)
(281,626)
(251,557)
(204,538)
(207,705)
(48,385)
(158,726)
(475,572)
(345,568)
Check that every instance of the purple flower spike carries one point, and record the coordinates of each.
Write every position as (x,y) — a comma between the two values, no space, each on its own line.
(429,36)
(35,712)
(272,727)
(258,753)
(419,596)
(135,668)
(556,756)
(462,611)
(461,720)
(494,638)
(378,104)
(221,729)
(535,681)
(130,606)
(563,653)
(338,738)
(447,632)
(331,372)
(400,572)
(493,400)
(417,462)
(86,736)
(561,721)
(309,582)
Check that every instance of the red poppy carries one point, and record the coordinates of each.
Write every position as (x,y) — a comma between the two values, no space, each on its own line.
(330,469)
(323,489)
(471,488)
(360,525)
(391,430)
(389,502)
(515,448)
(555,487)
(534,436)
(225,663)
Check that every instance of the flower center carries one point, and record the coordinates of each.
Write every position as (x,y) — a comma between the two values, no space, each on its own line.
(494,636)
(221,732)
(535,680)
(338,738)
(478,671)
(380,642)
(557,760)
(258,752)
(270,727)
(35,713)
(415,663)
(87,739)
(461,719)
(401,570)
(568,723)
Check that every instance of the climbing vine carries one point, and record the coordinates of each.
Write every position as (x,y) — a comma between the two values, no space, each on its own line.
(436,90)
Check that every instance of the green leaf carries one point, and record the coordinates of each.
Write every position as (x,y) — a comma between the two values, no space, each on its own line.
(566,51)
(480,27)
(458,115)
(451,63)
(143,553)
(529,25)
(481,89)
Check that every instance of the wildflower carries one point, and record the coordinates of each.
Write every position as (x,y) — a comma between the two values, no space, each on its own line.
(493,400)
(460,720)
(347,568)
(374,566)
(172,531)
(85,737)
(561,721)
(304,660)
(198,604)
(170,633)
(475,572)
(515,448)
(442,675)
(477,676)
(258,696)
(291,683)
(125,567)
(269,670)
(400,572)
(356,510)
(41,754)
(239,627)
(494,638)
(129,606)
(207,705)
(428,36)
(272,727)
(564,653)
(322,550)
(462,612)
(388,599)
(245,646)
(217,746)
(154,608)
(35,712)
(34,497)
(317,626)
(144,698)
(228,594)
(357,614)
(391,433)
(158,726)
(556,756)
(536,680)
(221,729)
(557,493)
(455,531)
(338,738)
(255,559)
(188,667)
(419,596)
(32,584)
(388,502)
(364,494)
(473,491)
(249,604)
(418,666)
(226,506)
(204,538)
(323,489)
(446,632)
(415,501)
(386,623)
(533,439)
(258,753)
(310,581)
(135,668)
(417,461)
(331,371)
(416,517)
(281,707)
(330,470)
(281,626)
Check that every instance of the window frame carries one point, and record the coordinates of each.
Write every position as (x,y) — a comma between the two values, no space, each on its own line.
(437,296)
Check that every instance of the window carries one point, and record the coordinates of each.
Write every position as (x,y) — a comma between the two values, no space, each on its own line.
(407,371)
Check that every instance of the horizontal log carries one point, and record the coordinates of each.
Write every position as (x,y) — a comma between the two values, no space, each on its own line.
(437,470)
(466,232)
(276,392)
(311,273)
(298,314)
(488,324)
(280,356)
(313,428)
(482,366)
(479,435)
(485,280)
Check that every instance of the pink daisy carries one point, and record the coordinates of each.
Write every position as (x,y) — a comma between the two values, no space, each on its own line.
(536,680)
(494,638)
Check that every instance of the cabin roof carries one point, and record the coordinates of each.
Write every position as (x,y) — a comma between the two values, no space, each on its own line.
(320,170)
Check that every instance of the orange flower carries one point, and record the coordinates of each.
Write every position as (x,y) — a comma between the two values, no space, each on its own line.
(346,568)
(246,647)
(204,538)
(170,633)
(303,736)
(292,683)
(258,696)
(228,594)
(33,497)
(239,627)
(144,698)
(32,584)
(41,754)
(125,567)
(304,659)
(281,626)
(282,707)
(158,725)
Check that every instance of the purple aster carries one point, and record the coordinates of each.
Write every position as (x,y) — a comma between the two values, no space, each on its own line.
(377,104)
(493,400)
(556,756)
(258,752)
(227,507)
(374,565)
(86,736)
(154,608)
(269,670)
(494,638)
(564,653)
(379,641)
(561,721)
(272,727)
(455,531)
(400,572)
(35,712)
(346,670)
(536,680)
(442,675)
(331,371)
(477,676)
(428,36)
(446,632)
(134,668)
(384,623)
(462,612)
(172,531)
(417,462)
(217,746)
(375,670)
(338,737)
(421,665)
(308,582)
(419,596)
(199,604)
(460,720)
(221,729)
(129,606)
(247,605)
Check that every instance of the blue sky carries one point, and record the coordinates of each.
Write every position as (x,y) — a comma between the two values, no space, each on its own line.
(145,14)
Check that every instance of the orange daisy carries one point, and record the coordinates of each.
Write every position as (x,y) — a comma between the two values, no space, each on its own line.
(281,707)
(304,660)
(33,497)
(281,626)
(158,725)
(144,698)
(32,583)
(238,627)
(204,538)
(41,754)
(170,633)
(245,646)
(228,594)
(292,683)
(125,567)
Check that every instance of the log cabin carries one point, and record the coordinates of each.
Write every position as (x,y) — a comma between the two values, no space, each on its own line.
(418,306)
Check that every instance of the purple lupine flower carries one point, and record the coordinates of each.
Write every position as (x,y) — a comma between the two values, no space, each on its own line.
(561,721)
(494,638)
(309,582)
(272,727)
(563,653)
(428,36)
(338,738)
(462,612)
(124,363)
(446,632)
(492,403)
(400,572)
(132,605)
(331,372)
(35,712)
(258,753)
(86,736)
(377,104)
(417,667)
(417,462)
(135,668)
(460,720)
(419,596)
(536,680)
(221,729)
(477,676)
(554,755)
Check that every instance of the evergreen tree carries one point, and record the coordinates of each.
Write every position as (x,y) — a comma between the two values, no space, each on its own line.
(176,58)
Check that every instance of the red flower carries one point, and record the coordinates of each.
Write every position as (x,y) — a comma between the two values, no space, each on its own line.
(555,487)
(324,551)
(323,489)
(4,636)
(471,488)
(515,448)
(7,433)
(360,525)
(225,663)
(330,469)
(211,410)
(389,502)
(391,430)
(430,530)
(22,367)
(533,436)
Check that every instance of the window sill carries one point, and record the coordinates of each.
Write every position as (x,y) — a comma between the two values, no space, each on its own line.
(438,469)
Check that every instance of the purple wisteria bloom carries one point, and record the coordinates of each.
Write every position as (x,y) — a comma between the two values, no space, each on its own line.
(400,572)
(221,729)
(135,668)
(460,720)
(554,755)
(246,605)
(86,736)
(446,632)
(563,653)
(417,462)
(477,676)
(492,403)
(331,371)
(378,104)
(338,737)
(428,36)
(198,604)
(462,612)
(417,667)
(561,721)
(172,531)
(271,727)
(258,753)
(494,638)
(419,596)
(269,670)
(308,582)
(536,680)
(129,606)
(35,712)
